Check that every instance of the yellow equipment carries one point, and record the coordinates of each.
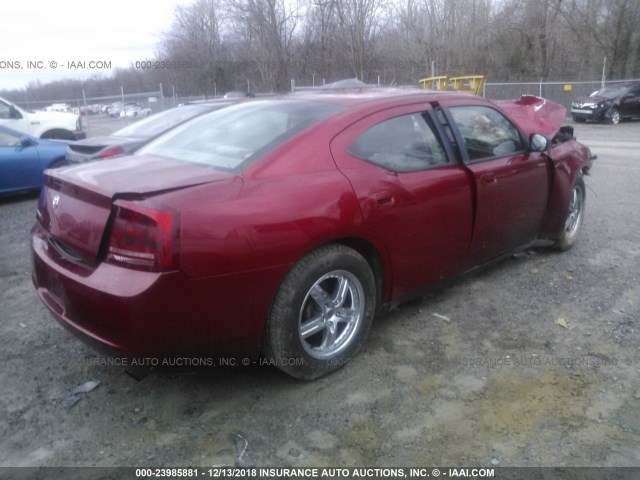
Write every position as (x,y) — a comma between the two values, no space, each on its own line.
(435,83)
(468,83)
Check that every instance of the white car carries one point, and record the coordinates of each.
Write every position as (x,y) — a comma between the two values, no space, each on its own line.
(62,125)
(57,107)
(135,111)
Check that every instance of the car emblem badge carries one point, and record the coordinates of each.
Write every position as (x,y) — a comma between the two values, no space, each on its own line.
(56,201)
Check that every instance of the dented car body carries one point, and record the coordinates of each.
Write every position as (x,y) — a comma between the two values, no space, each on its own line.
(282,227)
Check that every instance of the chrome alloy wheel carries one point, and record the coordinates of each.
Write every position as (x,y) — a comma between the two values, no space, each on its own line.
(574,219)
(331,314)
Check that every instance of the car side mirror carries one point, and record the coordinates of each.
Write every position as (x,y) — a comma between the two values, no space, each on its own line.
(27,142)
(538,142)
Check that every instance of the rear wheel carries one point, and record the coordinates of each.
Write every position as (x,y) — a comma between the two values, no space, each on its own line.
(322,313)
(58,133)
(573,223)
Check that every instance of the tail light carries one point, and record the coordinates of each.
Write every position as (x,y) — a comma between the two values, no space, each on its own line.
(141,238)
(112,152)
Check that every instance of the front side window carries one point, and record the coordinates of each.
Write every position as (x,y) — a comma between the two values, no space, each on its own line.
(486,132)
(401,144)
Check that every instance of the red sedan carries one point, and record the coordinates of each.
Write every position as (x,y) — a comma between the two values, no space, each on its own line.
(282,227)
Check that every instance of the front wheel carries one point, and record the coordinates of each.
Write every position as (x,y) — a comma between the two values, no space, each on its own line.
(613,116)
(322,313)
(573,223)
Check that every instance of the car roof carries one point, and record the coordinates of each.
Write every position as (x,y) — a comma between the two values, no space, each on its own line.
(215,102)
(358,96)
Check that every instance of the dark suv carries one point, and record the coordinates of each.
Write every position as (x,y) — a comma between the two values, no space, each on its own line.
(611,104)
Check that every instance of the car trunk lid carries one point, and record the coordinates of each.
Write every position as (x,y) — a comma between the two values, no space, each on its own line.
(76,203)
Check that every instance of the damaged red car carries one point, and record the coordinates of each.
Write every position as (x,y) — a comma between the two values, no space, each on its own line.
(282,227)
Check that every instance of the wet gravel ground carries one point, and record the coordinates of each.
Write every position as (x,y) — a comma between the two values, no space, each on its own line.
(533,362)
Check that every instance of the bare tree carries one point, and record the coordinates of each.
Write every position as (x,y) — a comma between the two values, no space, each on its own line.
(267,29)
(262,44)
(195,43)
(360,22)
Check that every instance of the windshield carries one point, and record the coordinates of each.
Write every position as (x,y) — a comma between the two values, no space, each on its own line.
(609,92)
(238,134)
(160,122)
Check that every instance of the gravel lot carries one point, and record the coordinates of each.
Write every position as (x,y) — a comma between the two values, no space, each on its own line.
(498,381)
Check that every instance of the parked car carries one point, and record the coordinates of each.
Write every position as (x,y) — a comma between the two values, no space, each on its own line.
(60,125)
(283,226)
(135,110)
(90,109)
(239,94)
(24,158)
(57,107)
(611,104)
(130,138)
(116,108)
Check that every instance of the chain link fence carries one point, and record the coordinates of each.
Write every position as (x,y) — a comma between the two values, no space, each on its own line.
(94,110)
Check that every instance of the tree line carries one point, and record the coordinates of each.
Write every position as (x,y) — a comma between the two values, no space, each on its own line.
(260,45)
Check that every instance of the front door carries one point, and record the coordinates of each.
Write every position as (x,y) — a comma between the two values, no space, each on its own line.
(511,183)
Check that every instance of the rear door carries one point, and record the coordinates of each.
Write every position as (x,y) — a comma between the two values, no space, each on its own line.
(511,183)
(631,103)
(415,198)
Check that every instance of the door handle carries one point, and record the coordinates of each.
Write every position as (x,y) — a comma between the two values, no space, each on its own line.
(383,199)
(487,179)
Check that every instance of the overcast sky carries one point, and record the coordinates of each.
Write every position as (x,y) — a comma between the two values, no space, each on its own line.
(61,31)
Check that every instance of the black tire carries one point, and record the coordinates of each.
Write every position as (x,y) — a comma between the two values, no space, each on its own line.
(575,216)
(613,116)
(322,313)
(59,163)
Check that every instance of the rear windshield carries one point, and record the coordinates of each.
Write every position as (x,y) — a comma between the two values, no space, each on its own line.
(160,122)
(237,135)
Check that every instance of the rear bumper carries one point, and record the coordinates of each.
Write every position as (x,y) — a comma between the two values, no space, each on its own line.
(132,313)
(75,157)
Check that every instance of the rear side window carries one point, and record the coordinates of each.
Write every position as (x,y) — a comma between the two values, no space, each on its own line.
(401,144)
(486,132)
